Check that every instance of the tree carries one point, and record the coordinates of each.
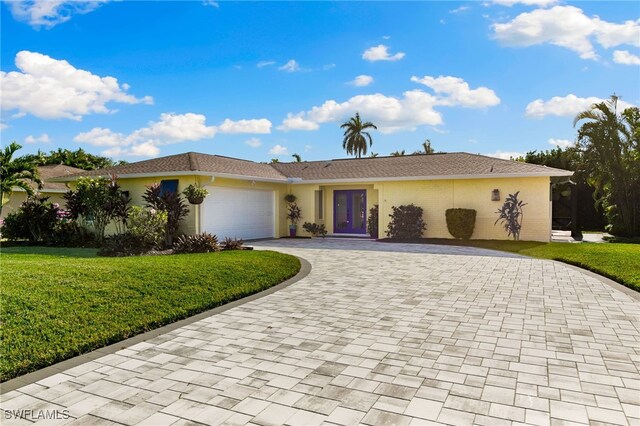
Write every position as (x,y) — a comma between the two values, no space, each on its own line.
(610,146)
(16,173)
(79,158)
(397,153)
(355,137)
(297,157)
(426,148)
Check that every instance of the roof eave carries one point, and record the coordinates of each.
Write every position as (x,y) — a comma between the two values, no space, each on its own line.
(439,177)
(173,174)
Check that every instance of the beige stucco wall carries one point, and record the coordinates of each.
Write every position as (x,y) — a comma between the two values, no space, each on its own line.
(18,197)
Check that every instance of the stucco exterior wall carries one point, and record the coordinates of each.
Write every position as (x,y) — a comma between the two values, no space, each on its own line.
(18,197)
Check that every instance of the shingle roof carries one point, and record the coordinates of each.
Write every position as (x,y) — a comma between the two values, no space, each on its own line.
(428,166)
(456,164)
(53,171)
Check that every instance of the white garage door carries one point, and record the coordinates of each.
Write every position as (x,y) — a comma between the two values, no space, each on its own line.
(239,213)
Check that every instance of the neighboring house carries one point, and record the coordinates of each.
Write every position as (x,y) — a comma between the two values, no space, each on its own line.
(53,190)
(246,199)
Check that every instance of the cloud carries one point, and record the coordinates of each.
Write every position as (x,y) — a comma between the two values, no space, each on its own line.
(362,80)
(328,67)
(290,66)
(455,91)
(49,13)
(254,142)
(505,155)
(625,57)
(459,9)
(565,106)
(297,122)
(245,126)
(3,125)
(49,88)
(211,3)
(263,64)
(540,3)
(279,150)
(381,53)
(43,138)
(561,143)
(566,26)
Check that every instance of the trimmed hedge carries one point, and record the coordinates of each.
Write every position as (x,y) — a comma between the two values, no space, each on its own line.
(406,223)
(461,222)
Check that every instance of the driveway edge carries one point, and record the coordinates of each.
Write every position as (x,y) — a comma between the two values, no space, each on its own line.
(29,378)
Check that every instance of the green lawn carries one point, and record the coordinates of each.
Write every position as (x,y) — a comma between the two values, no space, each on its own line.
(620,262)
(58,303)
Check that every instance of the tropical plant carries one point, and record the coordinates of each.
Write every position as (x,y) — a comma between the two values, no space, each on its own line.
(426,149)
(290,198)
(199,243)
(195,194)
(372,221)
(511,214)
(461,222)
(406,223)
(315,229)
(356,137)
(18,172)
(35,220)
(397,153)
(148,225)
(233,244)
(294,213)
(171,203)
(297,158)
(610,146)
(79,159)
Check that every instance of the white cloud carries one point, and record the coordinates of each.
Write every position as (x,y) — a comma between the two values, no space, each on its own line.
(505,155)
(211,3)
(49,88)
(49,13)
(362,80)
(254,142)
(279,150)
(145,142)
(459,9)
(381,53)
(455,91)
(541,3)
(297,122)
(561,143)
(263,64)
(261,125)
(566,26)
(565,106)
(3,125)
(43,138)
(328,67)
(625,57)
(290,66)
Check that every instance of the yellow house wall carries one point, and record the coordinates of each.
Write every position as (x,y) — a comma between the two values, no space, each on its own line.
(18,197)
(436,196)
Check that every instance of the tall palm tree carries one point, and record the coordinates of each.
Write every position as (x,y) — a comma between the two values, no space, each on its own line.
(426,146)
(297,157)
(16,173)
(355,136)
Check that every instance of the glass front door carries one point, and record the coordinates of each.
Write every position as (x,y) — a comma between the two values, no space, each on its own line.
(350,212)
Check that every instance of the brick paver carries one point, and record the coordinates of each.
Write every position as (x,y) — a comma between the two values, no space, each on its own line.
(379,334)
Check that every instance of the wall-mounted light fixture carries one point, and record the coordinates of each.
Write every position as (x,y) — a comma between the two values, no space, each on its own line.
(495,195)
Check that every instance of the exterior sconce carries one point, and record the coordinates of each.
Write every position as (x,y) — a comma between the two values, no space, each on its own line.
(495,195)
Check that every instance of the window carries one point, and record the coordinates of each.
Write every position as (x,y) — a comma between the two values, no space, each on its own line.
(168,186)
(320,205)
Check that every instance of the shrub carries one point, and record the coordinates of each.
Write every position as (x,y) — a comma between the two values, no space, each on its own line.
(315,229)
(14,228)
(294,213)
(35,221)
(171,203)
(406,223)
(199,243)
(372,221)
(147,225)
(461,222)
(233,244)
(510,215)
(124,244)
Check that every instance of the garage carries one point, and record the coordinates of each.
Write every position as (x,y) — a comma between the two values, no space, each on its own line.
(239,213)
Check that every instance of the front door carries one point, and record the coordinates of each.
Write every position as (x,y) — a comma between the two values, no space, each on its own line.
(350,212)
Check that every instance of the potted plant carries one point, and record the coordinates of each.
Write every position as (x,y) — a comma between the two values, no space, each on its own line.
(195,194)
(294,214)
(290,198)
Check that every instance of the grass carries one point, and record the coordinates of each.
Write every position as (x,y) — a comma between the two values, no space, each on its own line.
(620,262)
(59,303)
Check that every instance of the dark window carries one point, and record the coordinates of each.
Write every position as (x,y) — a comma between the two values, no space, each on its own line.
(168,186)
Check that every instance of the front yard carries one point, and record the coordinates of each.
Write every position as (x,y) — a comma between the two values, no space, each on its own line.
(58,303)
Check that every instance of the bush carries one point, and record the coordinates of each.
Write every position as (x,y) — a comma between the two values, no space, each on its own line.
(372,221)
(147,225)
(199,243)
(461,222)
(14,228)
(35,221)
(124,244)
(171,203)
(315,229)
(233,244)
(406,223)
(510,215)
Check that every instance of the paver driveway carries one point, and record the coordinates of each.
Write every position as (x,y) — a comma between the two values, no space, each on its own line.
(380,334)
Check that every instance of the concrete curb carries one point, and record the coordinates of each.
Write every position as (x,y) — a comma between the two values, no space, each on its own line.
(29,378)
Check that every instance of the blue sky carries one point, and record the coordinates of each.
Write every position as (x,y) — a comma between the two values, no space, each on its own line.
(135,80)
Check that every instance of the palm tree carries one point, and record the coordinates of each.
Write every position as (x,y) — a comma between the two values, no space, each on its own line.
(16,173)
(426,146)
(297,157)
(610,145)
(397,153)
(355,137)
